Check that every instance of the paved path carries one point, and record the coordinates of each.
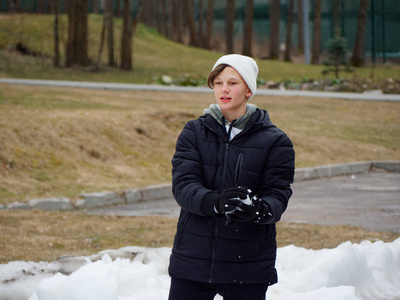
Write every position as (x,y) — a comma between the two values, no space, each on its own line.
(368,200)
(149,87)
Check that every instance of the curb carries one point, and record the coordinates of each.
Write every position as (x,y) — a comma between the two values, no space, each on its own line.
(345,169)
(91,200)
(369,96)
(164,191)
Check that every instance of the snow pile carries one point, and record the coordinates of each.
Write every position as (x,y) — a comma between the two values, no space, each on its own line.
(19,279)
(350,271)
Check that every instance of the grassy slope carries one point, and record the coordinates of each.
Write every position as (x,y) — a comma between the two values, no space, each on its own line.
(152,55)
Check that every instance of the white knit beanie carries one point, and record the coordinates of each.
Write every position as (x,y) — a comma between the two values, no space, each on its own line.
(245,66)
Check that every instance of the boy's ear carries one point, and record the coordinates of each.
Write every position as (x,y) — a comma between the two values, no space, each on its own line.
(249,93)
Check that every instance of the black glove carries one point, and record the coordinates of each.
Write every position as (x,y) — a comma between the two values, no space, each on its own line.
(230,199)
(251,209)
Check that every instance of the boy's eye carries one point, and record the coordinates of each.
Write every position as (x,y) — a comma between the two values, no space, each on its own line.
(217,83)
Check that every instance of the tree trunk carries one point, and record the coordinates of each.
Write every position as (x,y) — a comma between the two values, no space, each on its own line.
(56,61)
(316,47)
(200,27)
(229,21)
(357,59)
(181,20)
(210,17)
(164,25)
(149,13)
(173,12)
(101,45)
(13,6)
(194,41)
(288,42)
(126,38)
(146,16)
(274,15)
(336,12)
(144,12)
(300,27)
(110,31)
(248,28)
(41,6)
(117,8)
(77,43)
(95,6)
(137,17)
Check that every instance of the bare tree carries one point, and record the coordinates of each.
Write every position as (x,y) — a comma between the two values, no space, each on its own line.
(204,32)
(136,19)
(194,41)
(95,6)
(149,13)
(336,12)
(300,26)
(77,43)
(126,38)
(110,31)
(56,61)
(229,21)
(289,24)
(248,28)
(41,6)
(13,6)
(210,17)
(200,26)
(316,47)
(143,15)
(118,8)
(358,51)
(274,16)
(176,11)
(181,20)
(173,24)
(101,45)
(164,25)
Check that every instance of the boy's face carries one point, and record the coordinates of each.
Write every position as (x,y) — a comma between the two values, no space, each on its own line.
(231,93)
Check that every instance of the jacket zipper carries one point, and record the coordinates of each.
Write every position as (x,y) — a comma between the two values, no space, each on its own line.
(224,170)
(238,168)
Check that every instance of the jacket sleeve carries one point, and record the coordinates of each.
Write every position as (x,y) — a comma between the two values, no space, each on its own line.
(187,172)
(277,177)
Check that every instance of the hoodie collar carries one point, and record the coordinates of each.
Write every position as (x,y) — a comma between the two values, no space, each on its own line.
(215,111)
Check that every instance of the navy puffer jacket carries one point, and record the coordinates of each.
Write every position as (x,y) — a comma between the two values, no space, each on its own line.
(261,157)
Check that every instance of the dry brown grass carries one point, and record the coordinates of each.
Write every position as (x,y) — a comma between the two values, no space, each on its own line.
(61,142)
(313,236)
(39,235)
